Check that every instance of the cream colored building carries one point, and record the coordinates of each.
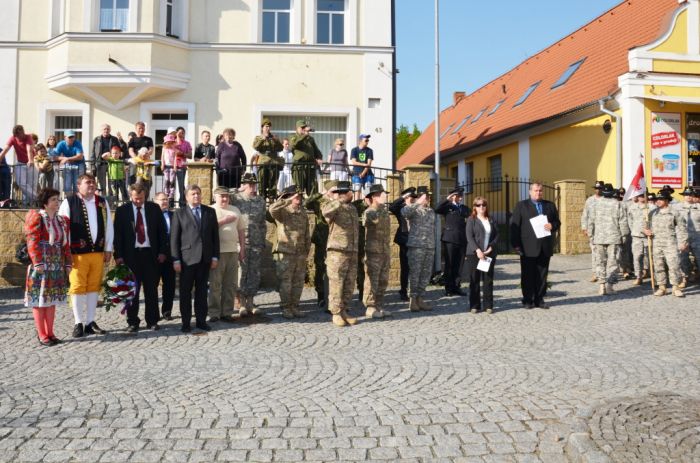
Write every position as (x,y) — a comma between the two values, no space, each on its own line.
(201,64)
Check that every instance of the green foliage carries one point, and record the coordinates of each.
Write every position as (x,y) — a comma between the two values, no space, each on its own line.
(405,138)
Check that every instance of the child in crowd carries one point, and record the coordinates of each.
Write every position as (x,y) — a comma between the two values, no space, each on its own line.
(168,160)
(43,165)
(116,173)
(144,164)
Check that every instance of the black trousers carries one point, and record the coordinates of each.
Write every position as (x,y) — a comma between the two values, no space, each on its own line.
(167,279)
(403,260)
(533,278)
(454,256)
(475,279)
(145,268)
(196,276)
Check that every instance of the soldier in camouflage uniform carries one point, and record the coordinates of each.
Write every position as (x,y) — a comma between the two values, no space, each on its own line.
(683,209)
(377,257)
(252,207)
(291,249)
(341,261)
(638,218)
(694,230)
(588,212)
(306,158)
(319,237)
(606,226)
(421,247)
(669,233)
(269,162)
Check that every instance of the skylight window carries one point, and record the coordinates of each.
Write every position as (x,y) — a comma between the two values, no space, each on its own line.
(568,73)
(495,108)
(446,130)
(528,92)
(478,116)
(464,121)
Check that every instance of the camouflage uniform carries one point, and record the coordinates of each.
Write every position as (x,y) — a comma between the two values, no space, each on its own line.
(607,225)
(341,263)
(682,208)
(319,238)
(637,218)
(304,162)
(377,255)
(588,207)
(290,253)
(253,209)
(269,164)
(669,233)
(694,234)
(421,246)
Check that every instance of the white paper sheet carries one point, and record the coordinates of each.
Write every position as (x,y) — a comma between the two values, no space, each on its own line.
(484,264)
(538,223)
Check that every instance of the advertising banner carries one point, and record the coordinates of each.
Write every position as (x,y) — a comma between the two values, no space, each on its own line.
(666,161)
(692,131)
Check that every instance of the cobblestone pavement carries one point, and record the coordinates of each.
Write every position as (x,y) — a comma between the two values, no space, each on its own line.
(438,386)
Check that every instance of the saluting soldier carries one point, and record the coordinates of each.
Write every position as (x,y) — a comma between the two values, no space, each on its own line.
(637,219)
(454,238)
(307,157)
(291,250)
(377,251)
(252,208)
(588,212)
(683,209)
(669,233)
(421,247)
(269,162)
(606,226)
(408,196)
(341,261)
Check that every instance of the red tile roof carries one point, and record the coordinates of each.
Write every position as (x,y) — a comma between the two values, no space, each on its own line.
(604,43)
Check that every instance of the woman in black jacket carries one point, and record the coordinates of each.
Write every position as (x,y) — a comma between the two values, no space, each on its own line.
(482,236)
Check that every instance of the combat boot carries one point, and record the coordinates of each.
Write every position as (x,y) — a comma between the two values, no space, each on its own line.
(683,284)
(676,291)
(593,279)
(637,282)
(338,320)
(251,306)
(661,291)
(413,305)
(243,311)
(287,313)
(348,319)
(373,313)
(297,313)
(609,289)
(423,305)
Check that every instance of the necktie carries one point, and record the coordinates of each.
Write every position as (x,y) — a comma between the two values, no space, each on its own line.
(140,231)
(197,217)
(538,205)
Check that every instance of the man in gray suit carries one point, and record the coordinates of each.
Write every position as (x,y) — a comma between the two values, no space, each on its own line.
(194,245)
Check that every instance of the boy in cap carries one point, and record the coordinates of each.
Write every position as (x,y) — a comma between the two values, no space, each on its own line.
(587,212)
(408,196)
(421,246)
(116,172)
(377,251)
(361,158)
(291,250)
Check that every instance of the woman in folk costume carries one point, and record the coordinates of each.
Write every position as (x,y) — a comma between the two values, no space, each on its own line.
(91,237)
(48,246)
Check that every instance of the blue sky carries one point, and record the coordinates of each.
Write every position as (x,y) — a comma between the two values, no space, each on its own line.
(479,40)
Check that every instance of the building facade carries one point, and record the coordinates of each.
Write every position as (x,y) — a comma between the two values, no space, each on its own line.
(200,64)
(621,89)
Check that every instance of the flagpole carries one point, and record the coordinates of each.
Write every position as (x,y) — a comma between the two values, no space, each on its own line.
(649,244)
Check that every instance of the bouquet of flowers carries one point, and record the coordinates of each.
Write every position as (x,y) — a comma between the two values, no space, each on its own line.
(119,287)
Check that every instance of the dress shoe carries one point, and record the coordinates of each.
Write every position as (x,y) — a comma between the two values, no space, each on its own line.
(543,305)
(45,342)
(403,295)
(474,309)
(489,310)
(167,316)
(227,319)
(413,305)
(78,330)
(186,329)
(321,303)
(459,292)
(423,305)
(297,313)
(132,329)
(529,305)
(213,319)
(339,321)
(94,329)
(55,340)
(288,314)
(153,327)
(203,327)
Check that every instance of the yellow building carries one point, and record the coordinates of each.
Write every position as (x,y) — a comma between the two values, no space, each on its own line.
(201,64)
(623,86)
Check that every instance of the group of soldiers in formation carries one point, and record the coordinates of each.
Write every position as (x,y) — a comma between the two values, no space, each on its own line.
(650,235)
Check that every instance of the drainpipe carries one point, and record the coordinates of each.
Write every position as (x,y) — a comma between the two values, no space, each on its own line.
(618,135)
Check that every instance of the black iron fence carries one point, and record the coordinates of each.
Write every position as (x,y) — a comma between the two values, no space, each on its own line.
(503,194)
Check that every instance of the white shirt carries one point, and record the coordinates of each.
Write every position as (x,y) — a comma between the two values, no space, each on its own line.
(147,243)
(64,210)
(487,235)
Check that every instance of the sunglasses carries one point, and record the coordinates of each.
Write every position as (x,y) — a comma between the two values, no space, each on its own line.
(480,205)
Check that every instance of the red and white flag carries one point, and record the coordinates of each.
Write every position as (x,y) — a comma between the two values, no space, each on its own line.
(638,185)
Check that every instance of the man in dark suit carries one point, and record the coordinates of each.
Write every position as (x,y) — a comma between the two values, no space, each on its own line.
(454,239)
(194,245)
(140,242)
(408,196)
(166,271)
(534,252)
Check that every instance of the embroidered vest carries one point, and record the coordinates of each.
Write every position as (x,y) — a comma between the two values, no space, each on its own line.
(80,236)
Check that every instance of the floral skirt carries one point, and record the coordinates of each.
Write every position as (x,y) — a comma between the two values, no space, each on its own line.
(51,287)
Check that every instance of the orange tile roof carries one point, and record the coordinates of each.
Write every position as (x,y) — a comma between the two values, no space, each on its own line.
(604,43)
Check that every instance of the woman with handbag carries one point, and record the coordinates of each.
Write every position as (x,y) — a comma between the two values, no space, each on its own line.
(482,236)
(48,245)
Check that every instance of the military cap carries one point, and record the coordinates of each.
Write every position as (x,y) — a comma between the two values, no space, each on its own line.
(301,123)
(328,185)
(265,122)
(459,191)
(222,190)
(599,185)
(651,197)
(375,189)
(249,177)
(664,194)
(343,187)
(423,190)
(668,188)
(622,190)
(608,191)
(411,191)
(289,191)
(688,191)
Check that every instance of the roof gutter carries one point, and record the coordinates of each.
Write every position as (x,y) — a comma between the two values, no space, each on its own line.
(618,135)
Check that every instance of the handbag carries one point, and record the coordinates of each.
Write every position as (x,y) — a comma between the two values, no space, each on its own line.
(22,254)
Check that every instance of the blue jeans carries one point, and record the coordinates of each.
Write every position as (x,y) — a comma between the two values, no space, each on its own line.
(5,182)
(71,172)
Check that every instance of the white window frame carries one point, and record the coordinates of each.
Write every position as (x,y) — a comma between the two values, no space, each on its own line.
(180,26)
(147,109)
(57,24)
(91,16)
(49,111)
(330,23)
(295,36)
(350,38)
